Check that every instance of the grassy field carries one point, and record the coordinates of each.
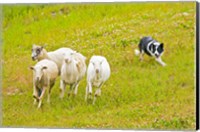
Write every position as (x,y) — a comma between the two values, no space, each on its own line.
(138,95)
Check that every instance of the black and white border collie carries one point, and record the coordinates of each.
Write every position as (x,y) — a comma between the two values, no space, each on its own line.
(151,47)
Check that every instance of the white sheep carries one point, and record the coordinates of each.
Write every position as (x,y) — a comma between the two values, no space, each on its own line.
(45,73)
(39,53)
(98,73)
(72,71)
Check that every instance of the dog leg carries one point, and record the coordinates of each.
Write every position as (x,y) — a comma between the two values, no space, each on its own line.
(141,56)
(159,60)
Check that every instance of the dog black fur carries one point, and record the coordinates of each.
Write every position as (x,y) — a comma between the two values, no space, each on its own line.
(151,47)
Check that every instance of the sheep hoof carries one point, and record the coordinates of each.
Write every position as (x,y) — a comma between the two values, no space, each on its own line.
(38,107)
(74,95)
(35,97)
(89,101)
(34,102)
(93,103)
(90,96)
(61,96)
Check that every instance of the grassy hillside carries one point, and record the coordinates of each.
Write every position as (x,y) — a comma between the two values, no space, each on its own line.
(138,95)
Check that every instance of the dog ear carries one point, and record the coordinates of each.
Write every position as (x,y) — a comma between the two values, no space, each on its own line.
(162,45)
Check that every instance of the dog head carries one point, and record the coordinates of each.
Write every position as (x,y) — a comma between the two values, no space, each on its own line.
(159,50)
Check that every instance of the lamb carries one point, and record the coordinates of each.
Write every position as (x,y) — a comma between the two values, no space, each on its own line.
(98,73)
(44,77)
(72,71)
(39,53)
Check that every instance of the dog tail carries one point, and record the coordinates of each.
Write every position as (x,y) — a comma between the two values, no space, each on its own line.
(137,52)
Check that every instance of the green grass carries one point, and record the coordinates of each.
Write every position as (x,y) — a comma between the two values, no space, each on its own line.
(138,95)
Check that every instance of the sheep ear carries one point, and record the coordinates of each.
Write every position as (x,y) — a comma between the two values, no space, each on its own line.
(44,46)
(31,67)
(101,62)
(91,62)
(44,67)
(84,58)
(34,45)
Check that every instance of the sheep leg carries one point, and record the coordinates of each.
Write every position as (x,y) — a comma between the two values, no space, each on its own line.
(39,104)
(86,92)
(95,98)
(71,88)
(90,90)
(41,96)
(62,88)
(35,93)
(49,92)
(97,93)
(76,88)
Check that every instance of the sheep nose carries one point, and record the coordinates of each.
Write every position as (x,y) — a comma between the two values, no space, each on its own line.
(97,70)
(37,78)
(67,60)
(33,58)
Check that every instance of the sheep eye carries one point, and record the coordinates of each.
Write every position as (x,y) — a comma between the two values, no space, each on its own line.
(38,51)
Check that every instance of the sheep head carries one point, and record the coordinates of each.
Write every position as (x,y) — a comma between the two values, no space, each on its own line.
(68,57)
(39,72)
(97,65)
(36,52)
